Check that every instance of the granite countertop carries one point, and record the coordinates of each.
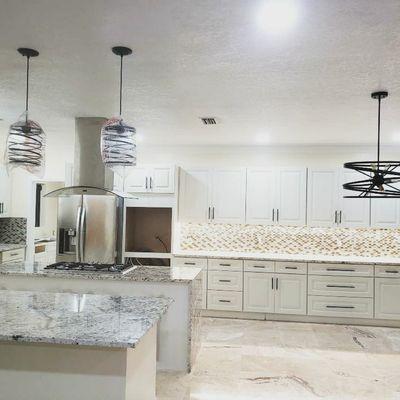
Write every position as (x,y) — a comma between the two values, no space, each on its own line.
(11,246)
(78,319)
(155,274)
(319,258)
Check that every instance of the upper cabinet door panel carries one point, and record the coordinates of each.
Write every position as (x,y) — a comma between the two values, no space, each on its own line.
(385,213)
(162,180)
(229,195)
(291,196)
(193,195)
(260,196)
(137,180)
(322,197)
(353,212)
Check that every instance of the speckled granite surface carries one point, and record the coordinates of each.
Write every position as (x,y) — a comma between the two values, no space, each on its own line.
(140,274)
(10,246)
(78,319)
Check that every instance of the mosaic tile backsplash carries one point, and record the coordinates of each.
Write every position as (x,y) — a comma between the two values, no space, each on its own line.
(367,242)
(13,230)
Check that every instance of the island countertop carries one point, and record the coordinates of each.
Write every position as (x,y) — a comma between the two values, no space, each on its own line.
(140,274)
(10,246)
(78,319)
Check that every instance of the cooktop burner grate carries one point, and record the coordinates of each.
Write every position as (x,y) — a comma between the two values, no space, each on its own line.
(91,267)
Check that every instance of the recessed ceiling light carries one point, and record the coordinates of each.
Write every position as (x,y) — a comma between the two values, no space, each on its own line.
(278,16)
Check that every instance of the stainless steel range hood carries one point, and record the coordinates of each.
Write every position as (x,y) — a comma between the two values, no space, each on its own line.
(91,176)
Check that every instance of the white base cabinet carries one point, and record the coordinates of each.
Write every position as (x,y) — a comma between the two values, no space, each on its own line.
(387,298)
(258,292)
(291,294)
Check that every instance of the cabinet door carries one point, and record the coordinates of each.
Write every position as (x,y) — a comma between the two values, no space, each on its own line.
(387,295)
(229,195)
(385,213)
(161,180)
(258,295)
(352,212)
(193,195)
(137,180)
(291,196)
(322,197)
(291,294)
(260,196)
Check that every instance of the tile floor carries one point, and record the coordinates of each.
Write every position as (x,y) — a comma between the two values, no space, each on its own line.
(254,360)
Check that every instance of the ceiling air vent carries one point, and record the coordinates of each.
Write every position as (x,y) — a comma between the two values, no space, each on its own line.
(209,121)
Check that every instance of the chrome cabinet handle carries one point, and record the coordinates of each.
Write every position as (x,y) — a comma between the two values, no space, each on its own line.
(340,217)
(78,234)
(224,301)
(151,182)
(258,266)
(225,280)
(290,267)
(329,306)
(391,271)
(209,212)
(341,286)
(146,182)
(336,217)
(273,214)
(277,283)
(225,265)
(13,254)
(277,215)
(272,280)
(189,263)
(213,213)
(83,234)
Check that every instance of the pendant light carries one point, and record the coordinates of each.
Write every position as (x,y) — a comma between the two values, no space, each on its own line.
(381,176)
(26,139)
(118,148)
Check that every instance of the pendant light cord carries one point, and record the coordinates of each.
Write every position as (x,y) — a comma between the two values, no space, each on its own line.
(27,89)
(120,88)
(379,130)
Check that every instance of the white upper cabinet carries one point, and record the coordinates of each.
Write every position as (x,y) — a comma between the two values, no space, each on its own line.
(147,179)
(228,196)
(385,213)
(291,196)
(260,196)
(194,195)
(5,192)
(322,195)
(276,196)
(326,204)
(352,212)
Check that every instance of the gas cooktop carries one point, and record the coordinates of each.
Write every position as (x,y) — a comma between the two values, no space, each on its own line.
(91,267)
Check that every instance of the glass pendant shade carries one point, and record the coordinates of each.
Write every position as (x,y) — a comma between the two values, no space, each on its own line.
(26,141)
(26,144)
(118,148)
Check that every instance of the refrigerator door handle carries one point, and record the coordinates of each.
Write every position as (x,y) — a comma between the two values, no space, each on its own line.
(78,234)
(82,234)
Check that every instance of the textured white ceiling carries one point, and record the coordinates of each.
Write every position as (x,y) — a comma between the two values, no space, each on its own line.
(207,58)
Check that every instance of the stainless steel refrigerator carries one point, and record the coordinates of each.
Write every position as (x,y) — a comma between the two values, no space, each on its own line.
(89,229)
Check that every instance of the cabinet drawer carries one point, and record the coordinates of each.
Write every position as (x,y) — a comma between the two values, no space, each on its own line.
(290,267)
(346,286)
(190,262)
(225,280)
(228,301)
(259,266)
(225,265)
(13,255)
(340,307)
(340,269)
(387,271)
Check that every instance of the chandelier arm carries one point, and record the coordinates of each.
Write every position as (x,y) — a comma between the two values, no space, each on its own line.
(393,187)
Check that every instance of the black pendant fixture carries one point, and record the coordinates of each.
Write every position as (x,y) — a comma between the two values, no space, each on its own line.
(381,177)
(26,139)
(118,148)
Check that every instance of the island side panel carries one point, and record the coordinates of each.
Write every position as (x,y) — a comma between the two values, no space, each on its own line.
(174,333)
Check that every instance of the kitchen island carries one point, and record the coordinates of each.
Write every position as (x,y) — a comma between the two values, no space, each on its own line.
(78,346)
(178,334)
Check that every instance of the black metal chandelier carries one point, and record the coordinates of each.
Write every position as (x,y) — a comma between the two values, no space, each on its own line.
(382,176)
(26,139)
(118,148)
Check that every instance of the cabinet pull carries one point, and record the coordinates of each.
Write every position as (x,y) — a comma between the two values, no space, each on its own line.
(277,280)
(290,267)
(225,265)
(342,286)
(224,301)
(277,215)
(273,214)
(13,254)
(329,306)
(336,217)
(151,182)
(209,212)
(340,269)
(146,182)
(189,263)
(258,266)
(213,213)
(272,280)
(388,271)
(225,280)
(340,217)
